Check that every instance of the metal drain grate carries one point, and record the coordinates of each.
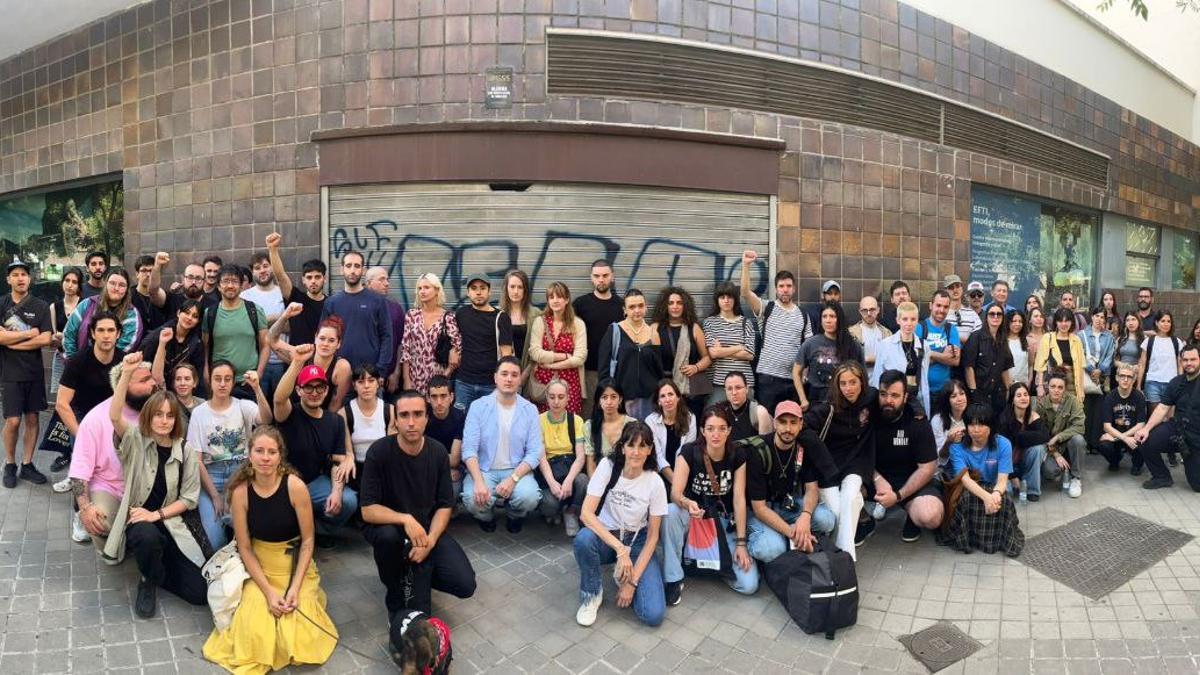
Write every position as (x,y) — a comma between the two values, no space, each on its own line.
(1102,551)
(941,645)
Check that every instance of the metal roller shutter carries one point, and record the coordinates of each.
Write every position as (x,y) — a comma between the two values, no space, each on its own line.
(654,237)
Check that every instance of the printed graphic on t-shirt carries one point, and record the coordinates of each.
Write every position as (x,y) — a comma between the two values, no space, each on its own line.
(1123,414)
(824,362)
(701,485)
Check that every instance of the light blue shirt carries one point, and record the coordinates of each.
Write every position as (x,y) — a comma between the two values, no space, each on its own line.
(481,433)
(889,355)
(1099,346)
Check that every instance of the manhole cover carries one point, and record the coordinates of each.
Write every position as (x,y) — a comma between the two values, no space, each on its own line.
(940,645)
(1100,552)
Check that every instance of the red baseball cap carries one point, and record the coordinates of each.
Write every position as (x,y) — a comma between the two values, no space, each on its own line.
(311,373)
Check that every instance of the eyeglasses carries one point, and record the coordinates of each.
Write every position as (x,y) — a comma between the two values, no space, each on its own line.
(991,314)
(193,277)
(317,388)
(870,310)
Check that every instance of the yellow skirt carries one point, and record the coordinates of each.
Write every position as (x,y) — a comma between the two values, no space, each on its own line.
(257,642)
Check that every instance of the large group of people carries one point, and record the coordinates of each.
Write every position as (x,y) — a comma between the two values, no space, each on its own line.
(237,406)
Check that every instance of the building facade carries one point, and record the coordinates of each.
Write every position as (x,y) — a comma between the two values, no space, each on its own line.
(860,140)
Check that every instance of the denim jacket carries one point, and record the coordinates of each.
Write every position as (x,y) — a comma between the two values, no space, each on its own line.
(1103,355)
(481,437)
(889,355)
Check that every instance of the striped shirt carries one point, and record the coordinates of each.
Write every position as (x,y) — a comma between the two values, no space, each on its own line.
(966,320)
(783,333)
(729,333)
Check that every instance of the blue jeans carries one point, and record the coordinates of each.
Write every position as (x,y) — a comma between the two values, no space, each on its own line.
(219,472)
(1154,391)
(1029,469)
(525,495)
(766,544)
(318,492)
(649,602)
(675,528)
(465,392)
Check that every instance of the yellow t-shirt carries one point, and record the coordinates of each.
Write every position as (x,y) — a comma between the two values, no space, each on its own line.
(555,437)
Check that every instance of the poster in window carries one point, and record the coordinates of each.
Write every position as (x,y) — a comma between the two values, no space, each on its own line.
(1140,271)
(1183,271)
(1005,240)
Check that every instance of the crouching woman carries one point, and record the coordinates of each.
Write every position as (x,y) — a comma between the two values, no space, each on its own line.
(623,513)
(981,513)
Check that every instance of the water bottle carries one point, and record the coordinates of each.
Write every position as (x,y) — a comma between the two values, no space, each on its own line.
(1023,497)
(877,511)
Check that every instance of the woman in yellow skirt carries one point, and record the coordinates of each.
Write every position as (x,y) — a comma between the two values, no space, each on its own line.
(281,619)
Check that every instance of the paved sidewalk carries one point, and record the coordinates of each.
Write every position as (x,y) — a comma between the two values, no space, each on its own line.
(62,611)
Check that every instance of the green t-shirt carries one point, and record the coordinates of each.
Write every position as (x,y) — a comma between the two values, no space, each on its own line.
(233,338)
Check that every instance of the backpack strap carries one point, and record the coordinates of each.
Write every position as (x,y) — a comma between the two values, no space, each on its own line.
(612,481)
(349,415)
(614,349)
(571,429)
(828,421)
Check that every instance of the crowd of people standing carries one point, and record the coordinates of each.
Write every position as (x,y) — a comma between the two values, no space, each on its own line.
(237,406)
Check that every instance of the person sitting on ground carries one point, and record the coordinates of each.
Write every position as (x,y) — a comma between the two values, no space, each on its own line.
(982,515)
(1063,413)
(623,529)
(947,420)
(709,482)
(1122,415)
(905,459)
(1174,426)
(368,417)
(162,482)
(444,424)
(672,424)
(1027,432)
(604,428)
(560,473)
(281,618)
(407,500)
(782,474)
(502,447)
(85,380)
(749,418)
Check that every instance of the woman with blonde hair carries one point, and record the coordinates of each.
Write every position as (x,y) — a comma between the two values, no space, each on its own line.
(517,302)
(557,349)
(432,344)
(281,619)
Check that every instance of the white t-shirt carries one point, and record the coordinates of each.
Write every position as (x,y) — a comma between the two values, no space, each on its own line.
(630,503)
(1020,370)
(503,458)
(222,435)
(271,302)
(367,430)
(1162,366)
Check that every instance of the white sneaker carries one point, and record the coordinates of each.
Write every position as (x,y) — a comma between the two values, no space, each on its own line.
(1075,489)
(79,534)
(63,485)
(571,524)
(586,615)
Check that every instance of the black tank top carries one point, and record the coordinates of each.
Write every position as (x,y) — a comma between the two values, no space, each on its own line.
(744,424)
(272,518)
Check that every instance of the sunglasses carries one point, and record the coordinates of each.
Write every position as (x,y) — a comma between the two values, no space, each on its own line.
(990,314)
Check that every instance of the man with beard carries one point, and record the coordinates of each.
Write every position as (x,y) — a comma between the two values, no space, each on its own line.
(378,282)
(1145,310)
(365,314)
(783,327)
(235,331)
(97,482)
(941,339)
(905,460)
(1067,302)
(191,288)
(85,380)
(1180,433)
(597,310)
(212,279)
(302,329)
(486,338)
(96,263)
(149,279)
(267,296)
(782,476)
(975,300)
(961,317)
(898,294)
(24,330)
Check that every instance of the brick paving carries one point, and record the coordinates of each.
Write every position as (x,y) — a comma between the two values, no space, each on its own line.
(63,611)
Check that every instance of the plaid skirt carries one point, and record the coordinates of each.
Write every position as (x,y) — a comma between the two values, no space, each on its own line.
(971,527)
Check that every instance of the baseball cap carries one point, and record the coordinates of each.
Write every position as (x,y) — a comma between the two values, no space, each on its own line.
(17,262)
(830,284)
(479,277)
(311,373)
(788,408)
(951,279)
(974,286)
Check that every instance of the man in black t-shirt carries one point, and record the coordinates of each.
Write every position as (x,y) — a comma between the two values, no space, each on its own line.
(24,330)
(444,424)
(85,380)
(905,460)
(783,472)
(407,499)
(316,440)
(1179,434)
(597,310)
(146,290)
(486,338)
(302,330)
(1122,414)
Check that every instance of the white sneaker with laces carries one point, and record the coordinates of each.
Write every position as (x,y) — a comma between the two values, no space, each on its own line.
(586,615)
(571,524)
(79,533)
(63,485)
(1076,488)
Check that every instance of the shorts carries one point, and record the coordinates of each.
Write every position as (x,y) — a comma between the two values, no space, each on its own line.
(1154,391)
(931,489)
(23,398)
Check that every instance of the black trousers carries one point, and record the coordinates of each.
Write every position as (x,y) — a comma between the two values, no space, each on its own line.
(1114,450)
(409,586)
(1160,441)
(161,562)
(771,391)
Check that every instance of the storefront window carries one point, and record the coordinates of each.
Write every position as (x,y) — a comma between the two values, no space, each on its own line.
(1040,249)
(1183,271)
(1141,257)
(53,231)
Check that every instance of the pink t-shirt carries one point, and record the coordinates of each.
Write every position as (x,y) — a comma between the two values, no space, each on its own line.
(94,457)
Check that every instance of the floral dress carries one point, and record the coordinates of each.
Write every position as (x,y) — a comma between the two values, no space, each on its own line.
(563,343)
(419,343)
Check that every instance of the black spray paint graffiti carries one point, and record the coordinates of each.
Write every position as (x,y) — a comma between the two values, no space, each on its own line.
(407,256)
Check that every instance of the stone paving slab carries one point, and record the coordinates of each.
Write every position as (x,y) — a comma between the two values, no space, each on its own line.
(63,611)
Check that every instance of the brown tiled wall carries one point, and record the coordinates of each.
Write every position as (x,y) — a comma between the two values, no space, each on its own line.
(207,107)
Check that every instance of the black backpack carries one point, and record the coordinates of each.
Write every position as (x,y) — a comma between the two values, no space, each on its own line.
(760,332)
(1150,350)
(819,590)
(210,319)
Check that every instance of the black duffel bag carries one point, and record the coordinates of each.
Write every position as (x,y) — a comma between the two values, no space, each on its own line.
(819,590)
